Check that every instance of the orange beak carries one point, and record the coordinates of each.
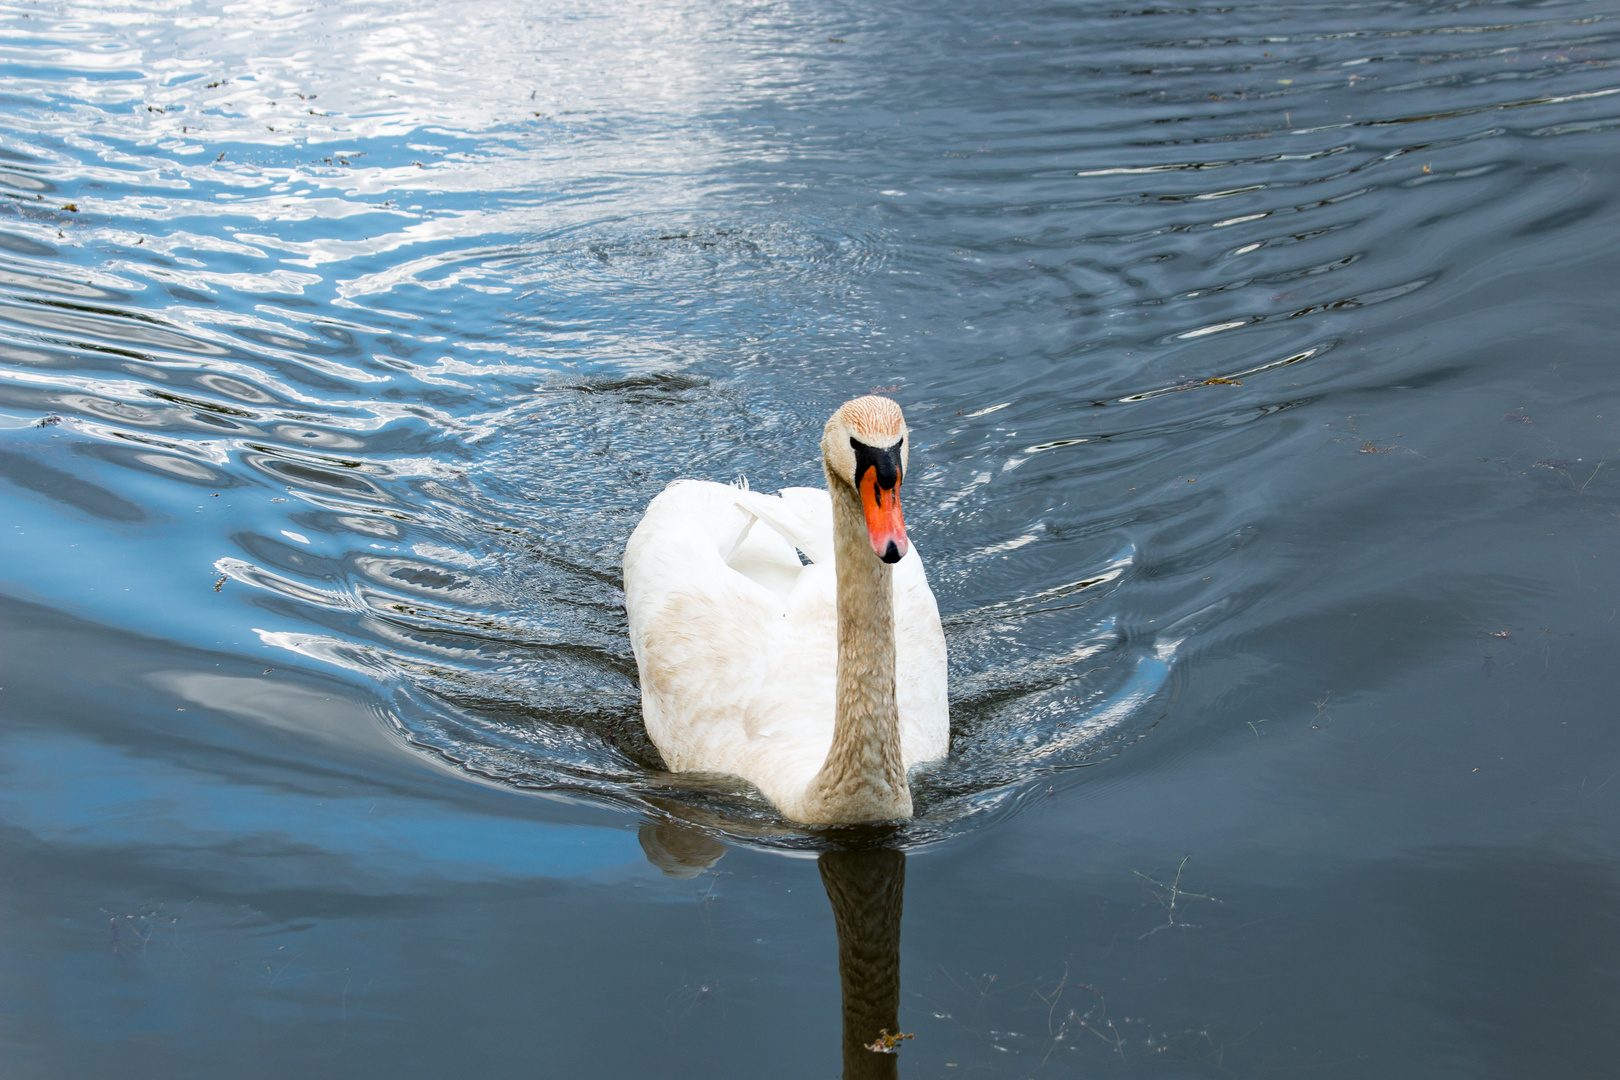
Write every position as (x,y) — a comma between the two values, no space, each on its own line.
(883,520)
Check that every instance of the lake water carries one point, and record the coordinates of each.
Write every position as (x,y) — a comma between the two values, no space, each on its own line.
(1266,459)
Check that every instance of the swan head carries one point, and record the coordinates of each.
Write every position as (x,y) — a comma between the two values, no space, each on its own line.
(865,446)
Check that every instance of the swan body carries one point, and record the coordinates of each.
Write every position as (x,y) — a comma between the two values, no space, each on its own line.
(822,683)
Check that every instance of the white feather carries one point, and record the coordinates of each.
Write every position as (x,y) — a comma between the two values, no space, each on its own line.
(736,639)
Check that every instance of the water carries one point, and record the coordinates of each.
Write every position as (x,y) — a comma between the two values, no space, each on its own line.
(1264,463)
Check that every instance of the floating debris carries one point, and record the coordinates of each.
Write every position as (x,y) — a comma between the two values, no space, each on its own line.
(886,1043)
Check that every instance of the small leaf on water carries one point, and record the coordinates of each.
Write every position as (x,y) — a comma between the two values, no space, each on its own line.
(886,1043)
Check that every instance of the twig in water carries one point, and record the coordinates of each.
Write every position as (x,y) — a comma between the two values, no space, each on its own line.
(1176,893)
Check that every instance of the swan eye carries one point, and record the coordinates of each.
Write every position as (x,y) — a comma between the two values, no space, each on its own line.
(884,460)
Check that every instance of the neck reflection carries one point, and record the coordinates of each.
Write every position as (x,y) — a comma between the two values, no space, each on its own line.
(866,889)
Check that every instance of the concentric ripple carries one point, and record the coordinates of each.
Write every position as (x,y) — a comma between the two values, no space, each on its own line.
(381,347)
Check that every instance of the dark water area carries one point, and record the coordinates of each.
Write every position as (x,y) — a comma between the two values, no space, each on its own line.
(1265,462)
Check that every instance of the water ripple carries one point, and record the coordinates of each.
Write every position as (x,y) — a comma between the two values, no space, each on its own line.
(390,341)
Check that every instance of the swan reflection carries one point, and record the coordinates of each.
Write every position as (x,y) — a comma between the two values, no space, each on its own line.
(866,889)
(678,851)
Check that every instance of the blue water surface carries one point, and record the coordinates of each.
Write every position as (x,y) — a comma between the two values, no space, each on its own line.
(1257,364)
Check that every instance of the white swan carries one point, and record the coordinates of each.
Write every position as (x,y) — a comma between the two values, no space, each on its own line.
(822,684)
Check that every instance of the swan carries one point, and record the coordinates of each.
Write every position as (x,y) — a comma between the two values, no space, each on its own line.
(820,683)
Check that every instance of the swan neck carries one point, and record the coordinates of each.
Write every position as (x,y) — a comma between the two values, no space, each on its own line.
(864,777)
